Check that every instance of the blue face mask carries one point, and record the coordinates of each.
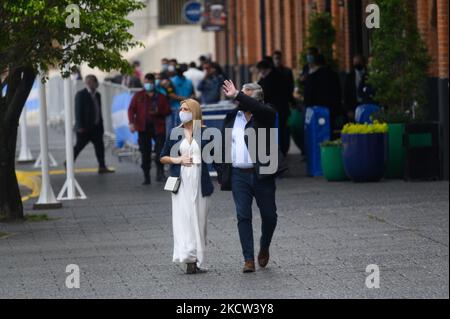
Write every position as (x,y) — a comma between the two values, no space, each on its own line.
(310,58)
(149,87)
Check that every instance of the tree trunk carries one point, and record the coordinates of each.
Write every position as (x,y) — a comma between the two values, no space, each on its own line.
(20,81)
(10,200)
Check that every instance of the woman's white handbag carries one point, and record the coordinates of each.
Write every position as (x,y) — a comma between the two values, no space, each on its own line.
(173,184)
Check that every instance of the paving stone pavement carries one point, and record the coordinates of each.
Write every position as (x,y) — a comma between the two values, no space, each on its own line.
(328,233)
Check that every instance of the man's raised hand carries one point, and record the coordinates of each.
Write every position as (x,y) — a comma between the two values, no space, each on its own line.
(229,89)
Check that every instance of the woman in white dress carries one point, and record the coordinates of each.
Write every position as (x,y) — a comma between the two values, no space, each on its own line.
(190,205)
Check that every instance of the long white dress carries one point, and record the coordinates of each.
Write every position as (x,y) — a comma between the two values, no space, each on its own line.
(190,211)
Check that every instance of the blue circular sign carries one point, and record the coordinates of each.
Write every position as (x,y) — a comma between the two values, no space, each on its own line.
(192,12)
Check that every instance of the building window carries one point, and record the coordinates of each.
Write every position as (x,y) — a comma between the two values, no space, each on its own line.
(170,12)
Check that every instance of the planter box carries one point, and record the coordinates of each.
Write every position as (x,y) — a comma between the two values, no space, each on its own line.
(365,156)
(423,157)
(396,153)
(332,164)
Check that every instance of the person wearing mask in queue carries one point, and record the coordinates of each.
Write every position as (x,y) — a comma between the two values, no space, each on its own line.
(147,115)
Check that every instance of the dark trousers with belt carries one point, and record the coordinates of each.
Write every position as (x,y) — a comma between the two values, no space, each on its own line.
(284,134)
(145,146)
(245,187)
(95,136)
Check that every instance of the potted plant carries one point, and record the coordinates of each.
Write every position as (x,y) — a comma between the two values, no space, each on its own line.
(397,75)
(396,150)
(331,157)
(365,151)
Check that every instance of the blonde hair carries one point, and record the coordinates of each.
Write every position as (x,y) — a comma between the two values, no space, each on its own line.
(196,111)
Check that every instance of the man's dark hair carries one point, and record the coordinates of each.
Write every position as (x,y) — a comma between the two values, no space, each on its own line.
(180,69)
(313,50)
(361,57)
(218,68)
(150,77)
(173,61)
(193,65)
(91,77)
(203,58)
(278,53)
(264,65)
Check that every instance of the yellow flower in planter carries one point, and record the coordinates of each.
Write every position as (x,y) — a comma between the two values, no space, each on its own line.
(375,128)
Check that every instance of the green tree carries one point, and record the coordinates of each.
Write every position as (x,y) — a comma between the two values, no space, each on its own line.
(400,62)
(42,34)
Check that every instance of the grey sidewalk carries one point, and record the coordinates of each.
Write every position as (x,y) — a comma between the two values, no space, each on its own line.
(328,233)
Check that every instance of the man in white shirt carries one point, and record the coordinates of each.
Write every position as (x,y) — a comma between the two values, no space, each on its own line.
(196,76)
(245,176)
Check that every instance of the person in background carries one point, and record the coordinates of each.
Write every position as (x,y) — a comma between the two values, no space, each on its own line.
(286,72)
(172,68)
(165,87)
(195,75)
(323,88)
(353,86)
(137,72)
(310,66)
(274,84)
(76,74)
(211,85)
(147,115)
(132,81)
(289,85)
(89,122)
(203,59)
(164,68)
(182,90)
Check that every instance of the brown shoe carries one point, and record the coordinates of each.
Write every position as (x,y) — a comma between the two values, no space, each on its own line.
(105,170)
(263,257)
(191,268)
(249,267)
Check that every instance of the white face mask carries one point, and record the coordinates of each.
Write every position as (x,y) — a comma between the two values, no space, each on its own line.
(185,117)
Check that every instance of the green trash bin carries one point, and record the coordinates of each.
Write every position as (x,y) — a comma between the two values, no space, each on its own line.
(397,152)
(332,164)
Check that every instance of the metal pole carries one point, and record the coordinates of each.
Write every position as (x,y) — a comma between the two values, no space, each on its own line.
(47,198)
(25,155)
(262,17)
(71,185)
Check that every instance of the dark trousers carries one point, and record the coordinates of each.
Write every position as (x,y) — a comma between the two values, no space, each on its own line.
(284,134)
(245,187)
(96,137)
(145,146)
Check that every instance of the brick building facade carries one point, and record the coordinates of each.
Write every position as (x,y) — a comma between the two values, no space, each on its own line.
(259,27)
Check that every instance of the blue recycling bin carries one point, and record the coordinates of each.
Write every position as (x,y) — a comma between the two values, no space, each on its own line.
(317,131)
(363,113)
